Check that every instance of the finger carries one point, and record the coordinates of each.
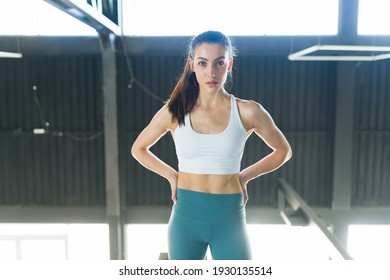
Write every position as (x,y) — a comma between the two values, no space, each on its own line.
(246,197)
(173,196)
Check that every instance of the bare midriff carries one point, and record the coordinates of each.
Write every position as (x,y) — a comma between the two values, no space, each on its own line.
(210,183)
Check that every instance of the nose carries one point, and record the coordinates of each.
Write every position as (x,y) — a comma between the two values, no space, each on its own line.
(211,72)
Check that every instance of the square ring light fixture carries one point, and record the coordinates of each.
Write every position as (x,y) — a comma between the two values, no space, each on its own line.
(10,55)
(304,54)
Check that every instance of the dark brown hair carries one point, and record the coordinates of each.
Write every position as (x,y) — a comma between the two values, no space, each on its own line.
(186,91)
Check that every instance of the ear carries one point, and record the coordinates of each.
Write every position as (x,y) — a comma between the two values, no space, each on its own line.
(191,63)
(230,67)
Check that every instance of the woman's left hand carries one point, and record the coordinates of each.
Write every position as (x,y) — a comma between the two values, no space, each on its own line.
(244,189)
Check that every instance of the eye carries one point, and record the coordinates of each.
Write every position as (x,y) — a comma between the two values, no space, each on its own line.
(221,63)
(202,63)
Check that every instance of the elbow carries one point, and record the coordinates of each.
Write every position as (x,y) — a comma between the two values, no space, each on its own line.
(139,151)
(135,151)
(285,154)
(289,153)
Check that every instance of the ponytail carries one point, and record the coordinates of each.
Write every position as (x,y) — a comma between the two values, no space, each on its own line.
(184,95)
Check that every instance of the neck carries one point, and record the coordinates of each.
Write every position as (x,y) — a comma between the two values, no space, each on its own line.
(211,99)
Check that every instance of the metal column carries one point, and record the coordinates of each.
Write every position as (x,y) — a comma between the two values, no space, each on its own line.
(113,201)
(345,96)
(107,21)
(343,152)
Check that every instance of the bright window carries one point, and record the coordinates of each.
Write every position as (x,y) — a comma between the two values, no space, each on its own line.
(369,242)
(283,242)
(277,242)
(245,17)
(54,242)
(54,249)
(37,17)
(374,17)
(8,250)
(146,241)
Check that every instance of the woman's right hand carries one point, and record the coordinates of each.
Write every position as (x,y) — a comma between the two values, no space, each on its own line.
(173,183)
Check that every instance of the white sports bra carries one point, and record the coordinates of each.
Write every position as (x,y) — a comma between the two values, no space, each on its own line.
(219,153)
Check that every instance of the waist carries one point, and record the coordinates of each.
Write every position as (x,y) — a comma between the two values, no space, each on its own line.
(206,207)
(210,183)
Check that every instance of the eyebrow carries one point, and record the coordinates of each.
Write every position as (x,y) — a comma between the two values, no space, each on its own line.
(202,58)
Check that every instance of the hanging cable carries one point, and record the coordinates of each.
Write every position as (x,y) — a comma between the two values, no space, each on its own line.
(133,79)
(46,125)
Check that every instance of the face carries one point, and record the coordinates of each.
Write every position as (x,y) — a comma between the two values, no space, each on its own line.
(211,64)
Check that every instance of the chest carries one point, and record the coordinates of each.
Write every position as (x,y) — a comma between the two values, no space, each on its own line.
(210,121)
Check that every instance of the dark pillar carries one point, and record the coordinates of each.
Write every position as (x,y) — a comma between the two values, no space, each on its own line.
(344,128)
(113,200)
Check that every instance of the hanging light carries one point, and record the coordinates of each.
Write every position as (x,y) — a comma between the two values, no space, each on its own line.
(304,54)
(13,54)
(10,54)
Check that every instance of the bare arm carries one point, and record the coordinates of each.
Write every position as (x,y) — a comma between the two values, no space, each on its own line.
(256,119)
(158,127)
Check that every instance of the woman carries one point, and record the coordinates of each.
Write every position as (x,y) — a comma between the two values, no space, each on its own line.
(209,127)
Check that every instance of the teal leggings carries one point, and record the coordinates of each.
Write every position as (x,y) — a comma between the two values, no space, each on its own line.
(199,220)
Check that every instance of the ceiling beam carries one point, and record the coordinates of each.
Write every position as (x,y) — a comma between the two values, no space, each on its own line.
(92,15)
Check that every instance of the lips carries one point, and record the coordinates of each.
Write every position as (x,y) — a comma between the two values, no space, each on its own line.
(212,83)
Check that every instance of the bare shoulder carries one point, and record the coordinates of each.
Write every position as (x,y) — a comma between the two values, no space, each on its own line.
(163,119)
(249,106)
(252,113)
